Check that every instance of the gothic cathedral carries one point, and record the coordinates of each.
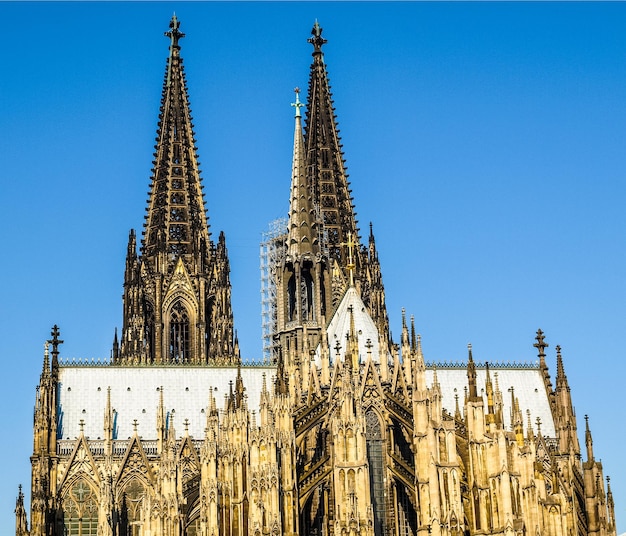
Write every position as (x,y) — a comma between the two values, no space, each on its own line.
(342,432)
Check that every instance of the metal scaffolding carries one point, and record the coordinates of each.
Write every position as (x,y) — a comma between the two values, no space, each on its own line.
(272,250)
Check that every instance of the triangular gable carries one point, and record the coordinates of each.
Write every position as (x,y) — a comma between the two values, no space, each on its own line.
(314,387)
(180,280)
(189,462)
(81,463)
(135,462)
(370,386)
(398,383)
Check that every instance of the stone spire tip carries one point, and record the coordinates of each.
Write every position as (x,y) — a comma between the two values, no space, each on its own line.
(317,40)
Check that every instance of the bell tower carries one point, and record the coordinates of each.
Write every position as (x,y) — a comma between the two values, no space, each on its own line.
(177,307)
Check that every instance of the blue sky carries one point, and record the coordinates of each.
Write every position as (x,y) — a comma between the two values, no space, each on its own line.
(485,141)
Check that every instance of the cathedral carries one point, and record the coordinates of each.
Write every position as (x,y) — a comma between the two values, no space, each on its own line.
(340,432)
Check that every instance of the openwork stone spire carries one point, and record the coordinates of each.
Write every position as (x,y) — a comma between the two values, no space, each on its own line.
(176,223)
(332,198)
(325,163)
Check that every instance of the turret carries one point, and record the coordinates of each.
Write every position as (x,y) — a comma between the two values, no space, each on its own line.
(474,406)
(21,524)
(44,460)
(565,418)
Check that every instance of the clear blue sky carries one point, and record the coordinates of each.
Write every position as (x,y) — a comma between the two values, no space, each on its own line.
(485,141)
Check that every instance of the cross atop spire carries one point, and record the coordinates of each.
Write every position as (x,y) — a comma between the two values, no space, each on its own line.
(297,105)
(174,34)
(541,345)
(55,341)
(317,40)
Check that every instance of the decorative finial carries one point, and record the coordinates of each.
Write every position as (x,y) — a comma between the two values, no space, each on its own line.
(186,423)
(81,423)
(55,341)
(135,424)
(538,421)
(317,40)
(174,34)
(297,105)
(541,345)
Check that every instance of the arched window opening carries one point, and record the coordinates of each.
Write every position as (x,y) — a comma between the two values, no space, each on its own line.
(149,341)
(130,509)
(80,511)
(179,334)
(374,442)
(306,298)
(291,298)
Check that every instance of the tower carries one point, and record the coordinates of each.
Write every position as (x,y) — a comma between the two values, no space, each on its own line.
(177,306)
(332,200)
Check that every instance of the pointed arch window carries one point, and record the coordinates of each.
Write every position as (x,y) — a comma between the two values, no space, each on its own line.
(306,291)
(149,341)
(80,511)
(291,298)
(374,442)
(130,510)
(179,334)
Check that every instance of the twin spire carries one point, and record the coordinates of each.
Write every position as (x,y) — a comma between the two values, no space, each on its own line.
(176,223)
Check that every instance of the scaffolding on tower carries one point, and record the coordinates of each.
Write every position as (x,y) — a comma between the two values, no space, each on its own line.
(273,247)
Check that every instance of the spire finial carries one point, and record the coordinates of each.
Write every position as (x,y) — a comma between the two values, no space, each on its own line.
(541,345)
(560,370)
(338,349)
(55,341)
(174,34)
(297,105)
(317,40)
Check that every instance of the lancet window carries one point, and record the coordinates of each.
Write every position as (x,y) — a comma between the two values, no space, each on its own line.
(374,442)
(179,334)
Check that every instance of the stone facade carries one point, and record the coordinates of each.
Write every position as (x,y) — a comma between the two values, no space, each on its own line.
(342,433)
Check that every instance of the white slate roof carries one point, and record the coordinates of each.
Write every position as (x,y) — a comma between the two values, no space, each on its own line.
(528,387)
(134,395)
